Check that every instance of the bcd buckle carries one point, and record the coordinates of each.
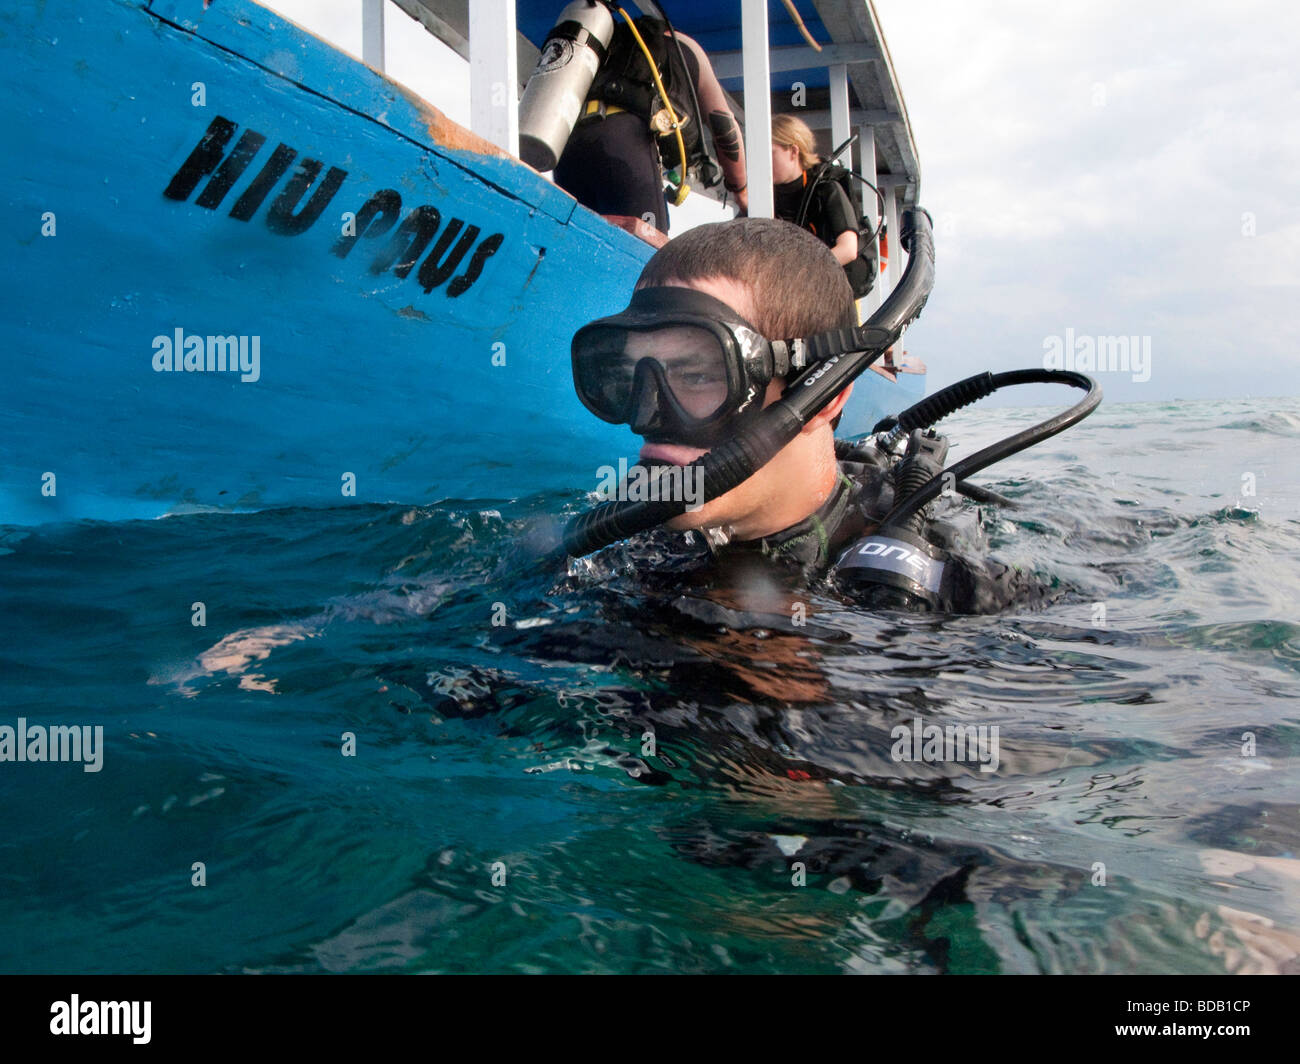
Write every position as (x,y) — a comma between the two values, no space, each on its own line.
(661,122)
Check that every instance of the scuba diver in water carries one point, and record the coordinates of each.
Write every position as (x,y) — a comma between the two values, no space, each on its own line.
(696,367)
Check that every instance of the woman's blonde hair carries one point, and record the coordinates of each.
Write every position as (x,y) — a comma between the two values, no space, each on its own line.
(791,132)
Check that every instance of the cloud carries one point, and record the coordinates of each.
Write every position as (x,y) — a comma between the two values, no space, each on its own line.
(1115,169)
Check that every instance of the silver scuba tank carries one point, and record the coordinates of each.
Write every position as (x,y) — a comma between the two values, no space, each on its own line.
(554,95)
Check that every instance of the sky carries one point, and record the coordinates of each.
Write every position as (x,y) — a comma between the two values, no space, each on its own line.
(1096,169)
(1112,169)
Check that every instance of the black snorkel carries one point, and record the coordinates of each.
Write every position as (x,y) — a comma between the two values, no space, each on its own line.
(834,360)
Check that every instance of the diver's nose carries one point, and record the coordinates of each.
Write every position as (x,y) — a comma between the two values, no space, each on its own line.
(644,405)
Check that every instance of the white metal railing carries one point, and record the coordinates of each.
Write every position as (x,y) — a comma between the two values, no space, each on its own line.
(494,100)
(758,108)
(372,34)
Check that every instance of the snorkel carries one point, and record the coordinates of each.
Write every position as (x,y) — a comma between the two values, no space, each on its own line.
(831,362)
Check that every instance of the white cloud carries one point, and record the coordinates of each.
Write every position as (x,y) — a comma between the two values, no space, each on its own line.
(1099,161)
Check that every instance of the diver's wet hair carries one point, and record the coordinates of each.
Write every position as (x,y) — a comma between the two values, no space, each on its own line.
(798,287)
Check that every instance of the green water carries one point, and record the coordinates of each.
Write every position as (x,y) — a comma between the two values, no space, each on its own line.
(620,777)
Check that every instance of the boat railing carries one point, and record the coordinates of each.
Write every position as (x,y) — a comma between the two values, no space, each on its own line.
(485,33)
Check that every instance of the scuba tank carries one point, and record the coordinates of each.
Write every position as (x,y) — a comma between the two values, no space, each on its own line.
(553,98)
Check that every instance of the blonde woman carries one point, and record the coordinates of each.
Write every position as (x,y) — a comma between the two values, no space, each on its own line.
(821,207)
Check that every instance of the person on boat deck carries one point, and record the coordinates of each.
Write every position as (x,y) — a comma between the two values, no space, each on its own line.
(821,207)
(614,162)
(812,500)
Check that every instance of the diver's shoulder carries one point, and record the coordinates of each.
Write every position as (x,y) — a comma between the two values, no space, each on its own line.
(942,564)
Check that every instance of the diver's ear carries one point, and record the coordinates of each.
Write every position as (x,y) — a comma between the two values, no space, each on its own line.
(830,411)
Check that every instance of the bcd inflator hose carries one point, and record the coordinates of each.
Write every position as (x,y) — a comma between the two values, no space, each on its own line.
(735,461)
(933,409)
(953,398)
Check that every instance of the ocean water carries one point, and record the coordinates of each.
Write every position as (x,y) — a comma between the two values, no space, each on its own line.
(632,776)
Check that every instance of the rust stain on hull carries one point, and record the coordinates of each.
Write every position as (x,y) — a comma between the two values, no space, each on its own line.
(444,131)
(638,227)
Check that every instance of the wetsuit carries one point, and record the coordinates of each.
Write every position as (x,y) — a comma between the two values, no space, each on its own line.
(810,550)
(970,582)
(613,164)
(829,214)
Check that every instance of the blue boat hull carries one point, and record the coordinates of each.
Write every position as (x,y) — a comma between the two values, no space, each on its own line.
(247,271)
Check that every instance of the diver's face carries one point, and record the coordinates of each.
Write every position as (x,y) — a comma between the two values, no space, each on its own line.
(698,381)
(737,296)
(764,503)
(785,163)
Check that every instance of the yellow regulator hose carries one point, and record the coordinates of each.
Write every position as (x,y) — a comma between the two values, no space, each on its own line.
(683,189)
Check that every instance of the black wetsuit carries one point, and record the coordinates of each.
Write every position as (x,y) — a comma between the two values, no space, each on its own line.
(614,164)
(970,582)
(810,550)
(829,214)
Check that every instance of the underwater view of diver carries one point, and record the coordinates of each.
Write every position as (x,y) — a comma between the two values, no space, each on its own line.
(521,539)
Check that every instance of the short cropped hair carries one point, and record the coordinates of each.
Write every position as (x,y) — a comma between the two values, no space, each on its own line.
(798,288)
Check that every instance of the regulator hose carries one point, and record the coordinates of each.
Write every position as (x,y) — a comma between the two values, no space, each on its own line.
(736,460)
(683,189)
(934,408)
(927,412)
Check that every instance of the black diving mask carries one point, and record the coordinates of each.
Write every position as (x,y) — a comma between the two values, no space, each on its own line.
(678,366)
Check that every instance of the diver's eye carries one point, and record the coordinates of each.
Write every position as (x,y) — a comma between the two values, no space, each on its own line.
(616,376)
(700,381)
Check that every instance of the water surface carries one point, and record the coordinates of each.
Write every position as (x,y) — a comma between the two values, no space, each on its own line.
(633,777)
